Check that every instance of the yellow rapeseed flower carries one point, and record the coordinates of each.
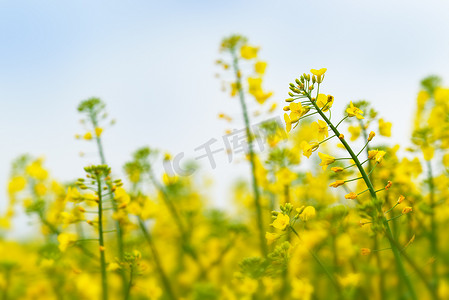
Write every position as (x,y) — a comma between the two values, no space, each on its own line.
(365,251)
(379,156)
(307,148)
(406,210)
(87,136)
(326,160)
(324,102)
(319,72)
(248,52)
(355,132)
(288,123)
(353,111)
(73,195)
(271,237)
(428,152)
(337,183)
(16,184)
(384,128)
(308,213)
(321,129)
(260,67)
(121,196)
(65,240)
(281,221)
(98,131)
(351,195)
(297,111)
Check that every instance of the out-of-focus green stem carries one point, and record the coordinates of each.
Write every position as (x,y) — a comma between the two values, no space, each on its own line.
(321,264)
(163,277)
(433,236)
(104,280)
(252,156)
(177,218)
(375,238)
(118,227)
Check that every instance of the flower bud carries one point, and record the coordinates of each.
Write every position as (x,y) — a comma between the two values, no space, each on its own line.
(365,251)
(407,209)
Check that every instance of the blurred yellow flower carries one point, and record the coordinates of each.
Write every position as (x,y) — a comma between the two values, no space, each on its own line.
(271,237)
(87,136)
(65,240)
(354,131)
(326,160)
(353,111)
(98,131)
(248,52)
(384,128)
(281,221)
(260,67)
(308,213)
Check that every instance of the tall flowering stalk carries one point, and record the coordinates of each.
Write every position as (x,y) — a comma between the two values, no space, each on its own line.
(430,136)
(142,165)
(135,168)
(238,47)
(320,104)
(98,179)
(94,108)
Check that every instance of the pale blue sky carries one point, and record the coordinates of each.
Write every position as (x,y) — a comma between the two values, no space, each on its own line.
(153,63)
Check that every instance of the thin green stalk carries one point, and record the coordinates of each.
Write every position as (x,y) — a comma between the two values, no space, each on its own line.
(321,264)
(117,223)
(285,282)
(415,267)
(7,283)
(380,268)
(252,157)
(400,266)
(130,284)
(104,280)
(395,217)
(177,218)
(433,236)
(163,277)
(119,231)
(56,231)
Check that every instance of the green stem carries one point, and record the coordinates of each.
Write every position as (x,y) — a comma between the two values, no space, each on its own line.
(375,238)
(178,221)
(130,284)
(397,203)
(321,264)
(252,157)
(118,227)
(395,217)
(104,280)
(323,141)
(400,266)
(415,267)
(7,283)
(114,204)
(336,126)
(433,238)
(56,231)
(380,268)
(163,277)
